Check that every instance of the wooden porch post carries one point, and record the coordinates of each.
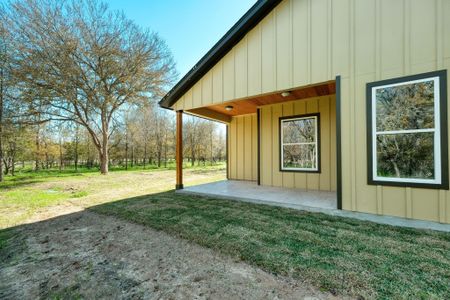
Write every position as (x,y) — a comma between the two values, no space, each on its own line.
(179,150)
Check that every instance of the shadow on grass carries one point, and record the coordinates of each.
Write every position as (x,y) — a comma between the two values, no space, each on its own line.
(340,255)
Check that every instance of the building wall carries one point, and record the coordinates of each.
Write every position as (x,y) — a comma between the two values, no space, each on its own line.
(270,144)
(303,42)
(242,143)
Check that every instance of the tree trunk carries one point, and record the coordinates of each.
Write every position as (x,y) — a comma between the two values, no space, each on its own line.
(104,155)
(60,155)
(36,168)
(76,148)
(104,167)
(145,154)
(126,150)
(1,125)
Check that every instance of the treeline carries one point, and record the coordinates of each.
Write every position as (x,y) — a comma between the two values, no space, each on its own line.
(79,85)
(145,139)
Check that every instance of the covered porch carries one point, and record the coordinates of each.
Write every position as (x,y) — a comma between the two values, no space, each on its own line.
(257,170)
(250,191)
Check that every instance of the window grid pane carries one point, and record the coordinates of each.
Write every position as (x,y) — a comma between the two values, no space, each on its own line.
(299,144)
(406,141)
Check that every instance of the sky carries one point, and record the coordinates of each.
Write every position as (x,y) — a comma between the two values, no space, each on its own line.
(189,27)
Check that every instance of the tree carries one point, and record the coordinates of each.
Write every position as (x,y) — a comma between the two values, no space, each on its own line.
(4,72)
(86,62)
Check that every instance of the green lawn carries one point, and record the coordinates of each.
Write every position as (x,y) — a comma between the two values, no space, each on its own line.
(26,194)
(344,256)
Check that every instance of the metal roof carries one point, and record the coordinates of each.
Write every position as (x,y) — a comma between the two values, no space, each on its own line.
(251,18)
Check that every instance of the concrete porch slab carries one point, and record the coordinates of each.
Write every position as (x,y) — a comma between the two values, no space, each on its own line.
(313,201)
(249,191)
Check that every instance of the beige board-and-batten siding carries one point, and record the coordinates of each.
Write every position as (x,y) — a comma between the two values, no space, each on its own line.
(270,144)
(305,42)
(243,148)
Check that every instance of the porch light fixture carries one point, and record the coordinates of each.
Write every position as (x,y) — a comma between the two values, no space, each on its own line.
(228,108)
(285,94)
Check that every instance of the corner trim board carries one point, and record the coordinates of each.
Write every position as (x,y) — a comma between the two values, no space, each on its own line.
(338,144)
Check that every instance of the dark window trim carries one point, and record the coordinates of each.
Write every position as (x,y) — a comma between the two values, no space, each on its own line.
(442,74)
(318,143)
(338,144)
(226,149)
(258,127)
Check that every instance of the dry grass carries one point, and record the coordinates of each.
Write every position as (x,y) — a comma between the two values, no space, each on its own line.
(25,197)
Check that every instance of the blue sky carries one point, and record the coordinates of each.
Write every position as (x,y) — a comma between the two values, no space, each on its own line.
(190,28)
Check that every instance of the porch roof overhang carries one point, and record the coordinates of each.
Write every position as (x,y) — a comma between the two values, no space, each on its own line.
(250,19)
(249,105)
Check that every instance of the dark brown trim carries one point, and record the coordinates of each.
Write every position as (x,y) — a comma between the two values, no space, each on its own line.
(179,151)
(248,21)
(338,144)
(258,126)
(444,185)
(317,115)
(227,151)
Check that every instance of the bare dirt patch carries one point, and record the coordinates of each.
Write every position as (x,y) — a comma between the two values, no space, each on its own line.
(86,255)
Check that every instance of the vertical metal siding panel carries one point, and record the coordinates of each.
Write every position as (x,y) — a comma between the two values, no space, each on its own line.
(254,148)
(288,177)
(228,76)
(240,147)
(254,61)
(442,206)
(313,181)
(217,82)
(207,89)
(345,144)
(366,195)
(425,204)
(268,54)
(240,72)
(394,201)
(319,41)
(325,156)
(391,38)
(423,35)
(300,178)
(332,103)
(341,37)
(300,27)
(446,28)
(248,148)
(447,66)
(197,95)
(233,148)
(277,177)
(365,37)
(284,45)
(188,99)
(266,145)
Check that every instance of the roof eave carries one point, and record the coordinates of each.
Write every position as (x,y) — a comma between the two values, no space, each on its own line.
(250,19)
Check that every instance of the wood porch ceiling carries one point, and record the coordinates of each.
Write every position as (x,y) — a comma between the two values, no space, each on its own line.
(249,105)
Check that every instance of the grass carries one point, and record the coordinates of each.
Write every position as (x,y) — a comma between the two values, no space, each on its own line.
(26,194)
(343,256)
(340,255)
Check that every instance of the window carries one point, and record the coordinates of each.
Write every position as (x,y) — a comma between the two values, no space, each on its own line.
(407,131)
(299,143)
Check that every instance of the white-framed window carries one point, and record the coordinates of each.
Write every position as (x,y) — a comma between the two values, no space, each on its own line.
(299,143)
(405,131)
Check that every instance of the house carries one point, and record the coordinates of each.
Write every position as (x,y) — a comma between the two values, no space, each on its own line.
(333,95)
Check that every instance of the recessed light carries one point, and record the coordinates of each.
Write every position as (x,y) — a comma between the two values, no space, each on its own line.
(285,94)
(228,107)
